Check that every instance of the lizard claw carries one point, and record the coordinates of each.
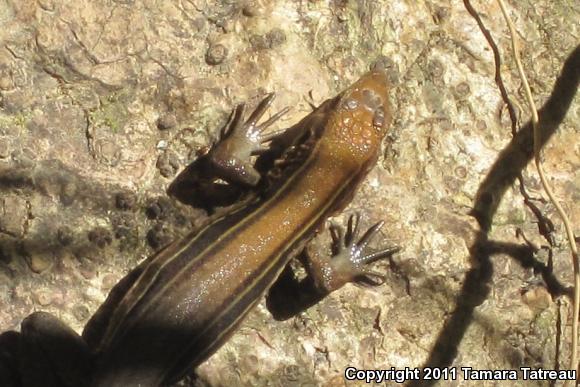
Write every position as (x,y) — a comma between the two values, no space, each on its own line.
(351,256)
(239,141)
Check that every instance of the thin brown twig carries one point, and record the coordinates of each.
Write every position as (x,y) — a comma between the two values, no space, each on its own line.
(546,186)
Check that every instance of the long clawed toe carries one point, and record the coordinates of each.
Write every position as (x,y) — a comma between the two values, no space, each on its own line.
(231,157)
(351,253)
(233,123)
(250,129)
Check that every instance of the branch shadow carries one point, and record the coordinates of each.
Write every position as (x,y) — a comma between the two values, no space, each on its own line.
(506,169)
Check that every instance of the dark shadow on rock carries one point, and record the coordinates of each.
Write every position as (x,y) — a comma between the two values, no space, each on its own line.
(52,178)
(518,153)
(508,166)
(525,256)
(50,236)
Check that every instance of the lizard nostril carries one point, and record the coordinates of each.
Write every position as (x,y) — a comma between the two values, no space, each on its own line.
(379,118)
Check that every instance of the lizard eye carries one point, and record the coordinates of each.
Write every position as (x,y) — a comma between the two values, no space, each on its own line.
(371,100)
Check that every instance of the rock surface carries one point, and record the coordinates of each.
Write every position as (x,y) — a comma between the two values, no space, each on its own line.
(102,102)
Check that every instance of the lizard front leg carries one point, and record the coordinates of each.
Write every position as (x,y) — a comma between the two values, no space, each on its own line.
(348,263)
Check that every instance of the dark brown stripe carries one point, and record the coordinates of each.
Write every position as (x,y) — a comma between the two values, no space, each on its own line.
(156,278)
(235,307)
